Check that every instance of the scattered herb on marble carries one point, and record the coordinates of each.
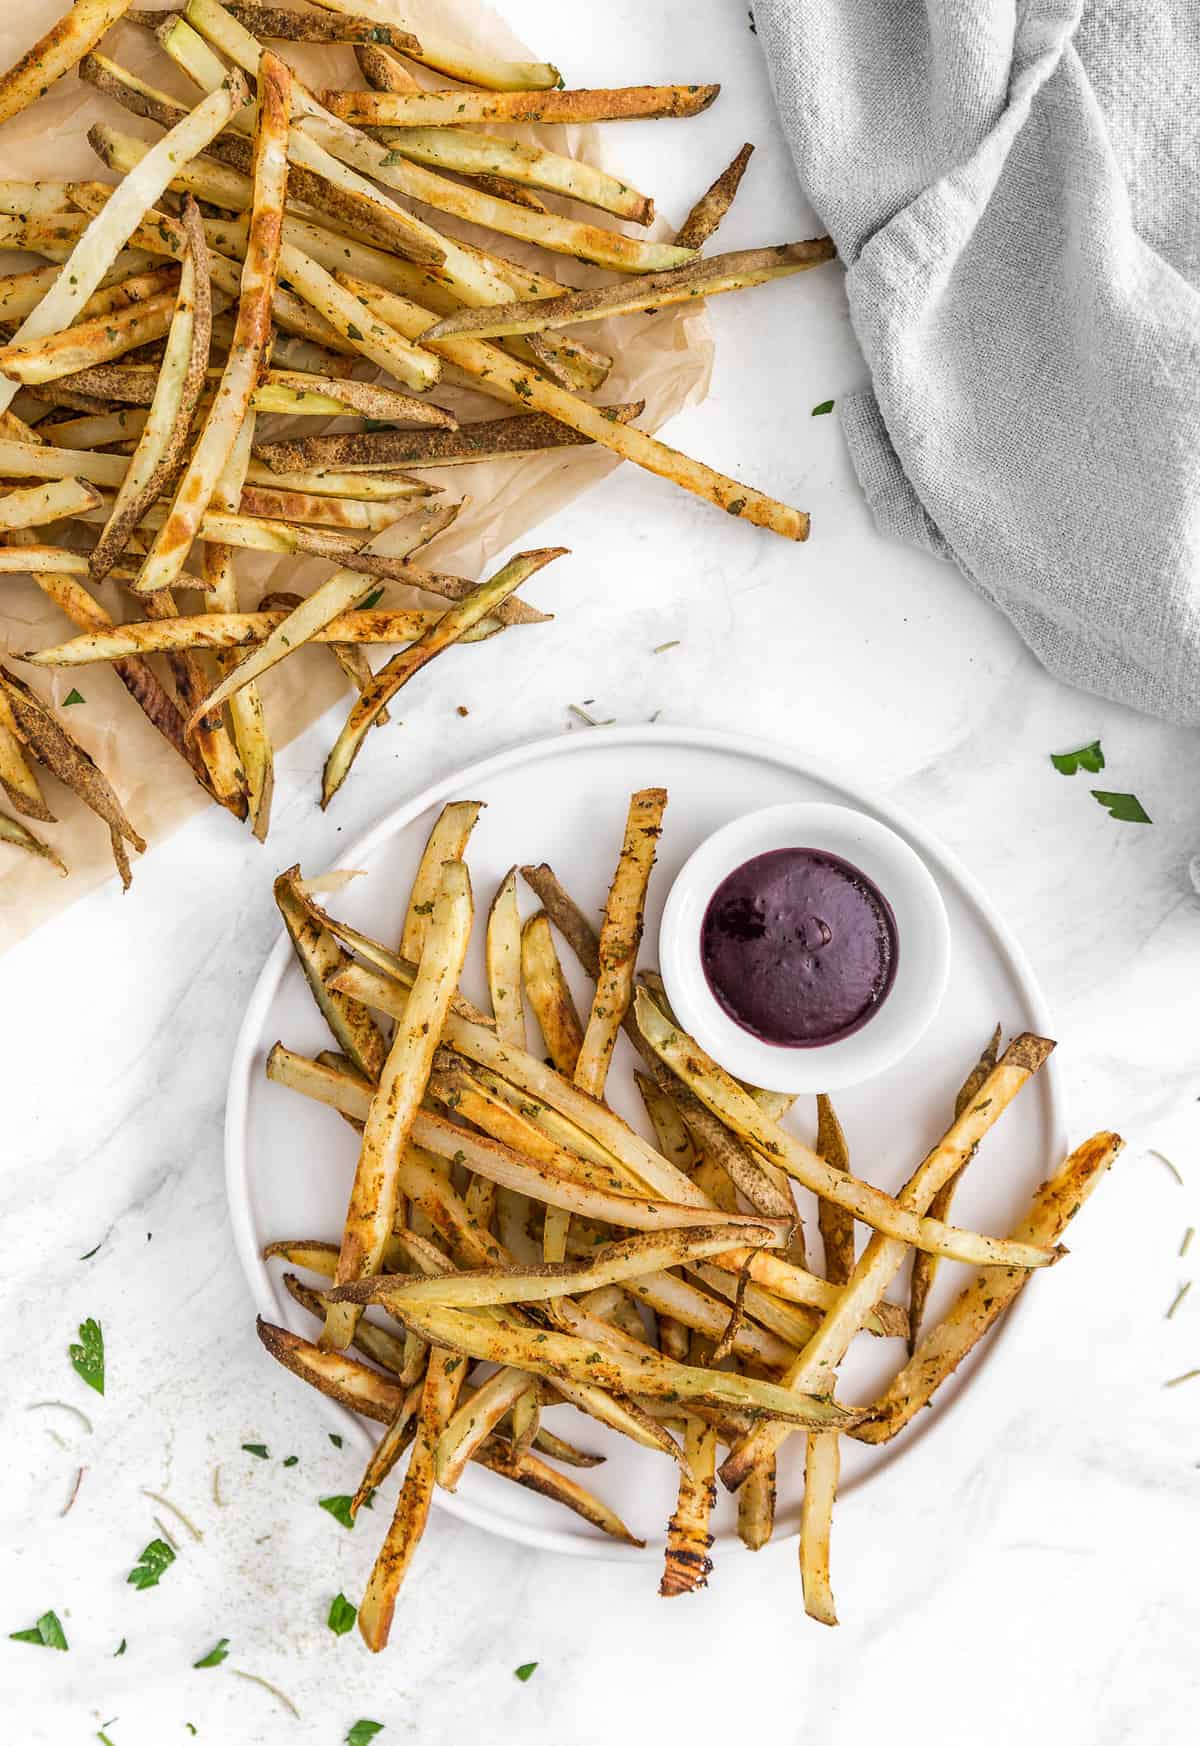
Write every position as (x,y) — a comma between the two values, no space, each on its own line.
(257,1679)
(335,1439)
(578,709)
(341,1615)
(216,1654)
(339,1508)
(156,1558)
(47,1633)
(259,1449)
(62,1406)
(663,647)
(1187,1240)
(824,407)
(290,1460)
(103,1737)
(1163,1159)
(68,1506)
(1187,1376)
(525,1671)
(120,1649)
(158,1498)
(362,1732)
(91,1252)
(73,696)
(1090,758)
(1178,1298)
(87,1358)
(1126,808)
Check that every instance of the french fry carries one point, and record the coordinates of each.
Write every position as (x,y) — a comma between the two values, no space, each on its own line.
(822,1466)
(381,1346)
(735,1107)
(54,747)
(549,995)
(475,108)
(38,505)
(707,278)
(511,438)
(683,1304)
(177,394)
(504,375)
(884,1254)
(319,955)
(628,1258)
(321,511)
(62,48)
(219,435)
(443,1379)
(564,236)
(12,831)
(924,1264)
(372,337)
(108,232)
(17,776)
(502,952)
(447,841)
(395,673)
(383,1458)
(756,1508)
(516,165)
(373,1199)
(472,66)
(985,1299)
(475,1420)
(620,938)
(92,342)
(836,1224)
(689,1540)
(565,1355)
(361,488)
(706,215)
(281,23)
(211,735)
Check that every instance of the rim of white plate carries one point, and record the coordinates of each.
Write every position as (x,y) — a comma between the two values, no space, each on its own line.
(269,1302)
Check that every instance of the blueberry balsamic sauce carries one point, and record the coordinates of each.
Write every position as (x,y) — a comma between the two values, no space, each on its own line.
(799,947)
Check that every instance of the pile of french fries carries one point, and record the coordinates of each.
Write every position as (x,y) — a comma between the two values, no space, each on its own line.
(242,266)
(528,1247)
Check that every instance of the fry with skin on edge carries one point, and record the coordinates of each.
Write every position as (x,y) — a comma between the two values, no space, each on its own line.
(447,841)
(108,232)
(502,951)
(726,1099)
(706,215)
(549,995)
(707,278)
(925,1265)
(282,24)
(252,335)
(320,955)
(512,438)
(687,1564)
(509,168)
(884,1255)
(756,1508)
(573,1358)
(396,672)
(88,343)
(177,394)
(986,1298)
(505,378)
(63,47)
(21,837)
(45,736)
(220,631)
(17,776)
(620,937)
(835,1223)
(473,108)
(208,729)
(472,67)
(374,1196)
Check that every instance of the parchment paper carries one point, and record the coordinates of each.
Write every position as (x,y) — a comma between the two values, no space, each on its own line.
(664,359)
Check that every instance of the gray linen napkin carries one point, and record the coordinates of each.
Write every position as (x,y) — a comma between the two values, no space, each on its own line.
(1014,187)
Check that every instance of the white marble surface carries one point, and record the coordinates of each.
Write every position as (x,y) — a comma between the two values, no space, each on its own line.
(1029,1574)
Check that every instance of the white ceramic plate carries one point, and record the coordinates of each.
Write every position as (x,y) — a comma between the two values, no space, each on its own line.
(289,1161)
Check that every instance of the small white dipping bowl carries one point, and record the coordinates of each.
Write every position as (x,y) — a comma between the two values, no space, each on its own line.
(922,962)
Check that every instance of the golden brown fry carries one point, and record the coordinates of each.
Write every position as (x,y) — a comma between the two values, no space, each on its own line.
(502,952)
(447,842)
(349,1381)
(180,384)
(756,1508)
(986,1298)
(549,995)
(620,938)
(62,47)
(88,343)
(458,619)
(382,1347)
(699,279)
(38,505)
(320,955)
(283,24)
(14,832)
(688,1564)
(388,1450)
(248,355)
(884,1254)
(712,206)
(53,746)
(17,776)
(228,631)
(727,1099)
(474,108)
(836,1224)
(924,1264)
(510,438)
(822,1465)
(374,1197)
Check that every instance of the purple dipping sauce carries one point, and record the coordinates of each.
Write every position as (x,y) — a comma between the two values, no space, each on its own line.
(799,947)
